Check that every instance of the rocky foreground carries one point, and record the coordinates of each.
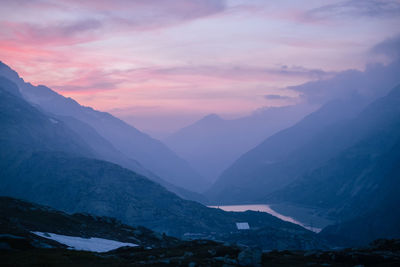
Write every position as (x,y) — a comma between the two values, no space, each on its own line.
(21,245)
(22,252)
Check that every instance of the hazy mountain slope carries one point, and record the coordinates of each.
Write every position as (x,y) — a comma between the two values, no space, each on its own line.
(28,129)
(282,157)
(103,148)
(362,177)
(106,151)
(37,131)
(211,144)
(151,153)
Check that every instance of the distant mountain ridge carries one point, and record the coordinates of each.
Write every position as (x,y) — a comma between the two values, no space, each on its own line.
(135,145)
(212,143)
(282,157)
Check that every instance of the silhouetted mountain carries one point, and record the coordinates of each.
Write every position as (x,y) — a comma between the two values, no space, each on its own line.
(45,162)
(150,153)
(284,156)
(211,144)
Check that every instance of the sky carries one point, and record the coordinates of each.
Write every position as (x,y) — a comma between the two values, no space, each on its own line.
(162,64)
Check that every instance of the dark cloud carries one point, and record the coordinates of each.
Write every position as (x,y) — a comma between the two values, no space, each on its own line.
(150,14)
(102,16)
(389,48)
(351,8)
(56,33)
(76,27)
(375,81)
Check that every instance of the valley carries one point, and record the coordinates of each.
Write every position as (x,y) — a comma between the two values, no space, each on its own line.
(200,133)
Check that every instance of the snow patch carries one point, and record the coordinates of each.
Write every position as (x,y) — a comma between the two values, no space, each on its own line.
(93,244)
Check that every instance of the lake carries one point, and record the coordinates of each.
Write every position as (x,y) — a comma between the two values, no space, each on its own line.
(314,223)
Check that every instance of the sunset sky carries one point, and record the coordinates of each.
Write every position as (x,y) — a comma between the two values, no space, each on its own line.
(161,64)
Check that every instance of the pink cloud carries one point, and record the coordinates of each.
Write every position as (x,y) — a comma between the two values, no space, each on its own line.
(50,35)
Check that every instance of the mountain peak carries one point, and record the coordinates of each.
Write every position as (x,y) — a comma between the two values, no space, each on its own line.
(10,74)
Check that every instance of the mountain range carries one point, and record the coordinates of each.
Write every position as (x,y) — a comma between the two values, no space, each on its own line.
(45,162)
(340,161)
